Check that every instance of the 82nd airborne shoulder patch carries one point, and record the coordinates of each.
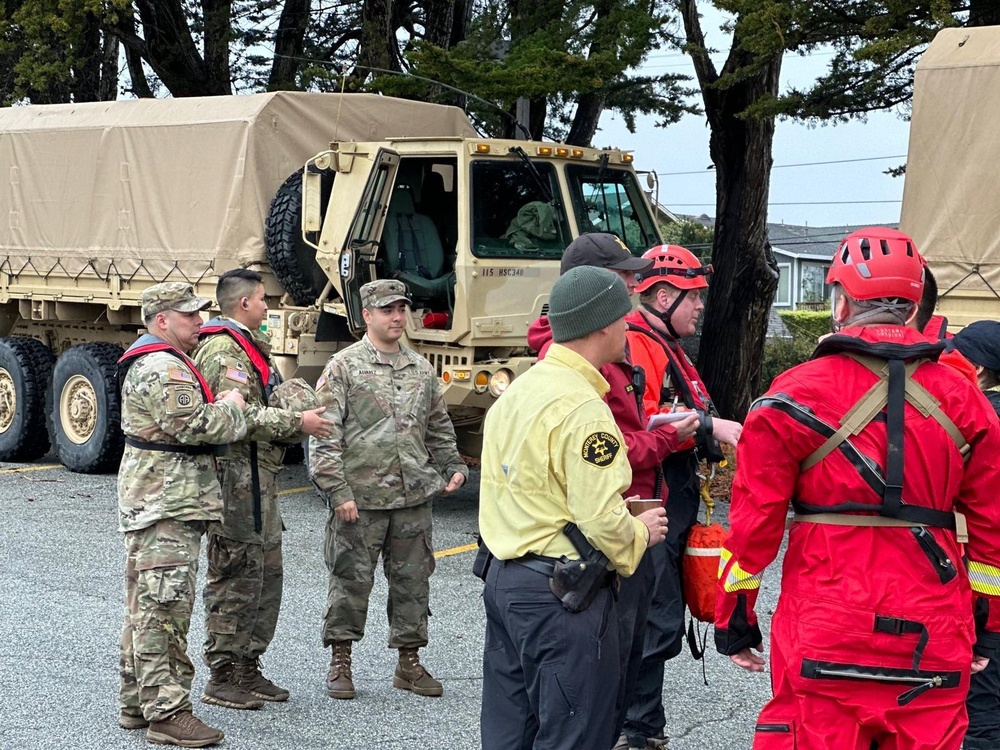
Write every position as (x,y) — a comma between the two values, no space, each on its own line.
(601,449)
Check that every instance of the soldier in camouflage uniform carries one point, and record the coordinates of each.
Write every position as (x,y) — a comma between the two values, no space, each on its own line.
(244,580)
(376,475)
(167,495)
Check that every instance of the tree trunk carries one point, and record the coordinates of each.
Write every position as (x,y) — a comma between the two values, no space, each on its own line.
(439,22)
(589,106)
(378,48)
(125,31)
(108,90)
(461,22)
(588,114)
(984,12)
(288,45)
(218,14)
(746,276)
(172,53)
(86,86)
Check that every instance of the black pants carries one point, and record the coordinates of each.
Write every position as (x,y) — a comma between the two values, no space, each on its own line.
(549,676)
(633,609)
(984,709)
(665,622)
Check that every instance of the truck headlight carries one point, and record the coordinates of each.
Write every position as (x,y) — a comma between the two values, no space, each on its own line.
(499,382)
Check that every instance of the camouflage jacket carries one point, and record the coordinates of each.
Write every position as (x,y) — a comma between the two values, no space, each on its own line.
(390,421)
(162,403)
(226,366)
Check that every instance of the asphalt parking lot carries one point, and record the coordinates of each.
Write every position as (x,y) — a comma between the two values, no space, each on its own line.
(61,591)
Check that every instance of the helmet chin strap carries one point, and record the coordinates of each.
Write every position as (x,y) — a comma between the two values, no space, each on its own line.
(664,317)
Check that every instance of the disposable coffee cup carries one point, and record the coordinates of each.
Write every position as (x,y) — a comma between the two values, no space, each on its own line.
(637,507)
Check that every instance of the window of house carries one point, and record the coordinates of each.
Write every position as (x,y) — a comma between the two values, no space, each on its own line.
(813,283)
(783,297)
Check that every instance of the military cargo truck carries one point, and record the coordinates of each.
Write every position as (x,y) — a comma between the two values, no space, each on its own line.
(952,191)
(319,192)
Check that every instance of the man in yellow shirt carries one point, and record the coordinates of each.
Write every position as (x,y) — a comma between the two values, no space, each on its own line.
(552,456)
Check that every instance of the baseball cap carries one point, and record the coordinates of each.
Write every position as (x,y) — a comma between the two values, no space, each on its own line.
(171,295)
(383,292)
(602,250)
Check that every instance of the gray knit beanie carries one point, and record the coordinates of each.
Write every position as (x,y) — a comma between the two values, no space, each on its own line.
(586,299)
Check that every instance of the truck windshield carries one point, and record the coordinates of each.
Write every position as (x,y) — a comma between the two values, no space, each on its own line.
(511,215)
(611,202)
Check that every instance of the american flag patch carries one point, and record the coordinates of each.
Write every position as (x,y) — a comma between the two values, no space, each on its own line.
(182,375)
(238,375)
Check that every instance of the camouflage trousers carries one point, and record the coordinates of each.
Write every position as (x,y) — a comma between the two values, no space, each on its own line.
(403,538)
(242,598)
(245,570)
(160,571)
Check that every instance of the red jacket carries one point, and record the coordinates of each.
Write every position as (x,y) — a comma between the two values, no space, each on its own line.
(647,351)
(646,448)
(838,581)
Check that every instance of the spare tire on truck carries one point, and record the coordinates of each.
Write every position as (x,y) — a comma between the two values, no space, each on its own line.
(85,410)
(292,260)
(25,369)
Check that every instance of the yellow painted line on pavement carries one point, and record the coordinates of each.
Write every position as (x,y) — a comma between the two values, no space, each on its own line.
(438,555)
(31,468)
(455,550)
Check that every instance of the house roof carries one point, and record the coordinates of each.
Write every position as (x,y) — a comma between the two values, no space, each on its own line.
(805,242)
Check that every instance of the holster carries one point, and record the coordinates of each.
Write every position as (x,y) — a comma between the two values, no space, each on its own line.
(481,565)
(576,582)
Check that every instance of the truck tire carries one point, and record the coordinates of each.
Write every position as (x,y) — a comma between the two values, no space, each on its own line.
(25,370)
(292,260)
(85,408)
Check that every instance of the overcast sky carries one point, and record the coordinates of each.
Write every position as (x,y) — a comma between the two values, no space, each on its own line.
(847,192)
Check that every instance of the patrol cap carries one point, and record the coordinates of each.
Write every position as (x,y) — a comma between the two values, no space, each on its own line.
(584,300)
(171,295)
(602,250)
(383,292)
(294,395)
(979,342)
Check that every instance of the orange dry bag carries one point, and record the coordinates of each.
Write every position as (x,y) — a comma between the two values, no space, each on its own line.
(701,569)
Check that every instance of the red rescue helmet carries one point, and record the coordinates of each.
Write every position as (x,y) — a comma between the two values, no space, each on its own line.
(876,262)
(674,265)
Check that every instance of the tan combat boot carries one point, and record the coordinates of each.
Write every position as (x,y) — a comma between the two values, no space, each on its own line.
(184,730)
(249,677)
(223,690)
(338,680)
(411,675)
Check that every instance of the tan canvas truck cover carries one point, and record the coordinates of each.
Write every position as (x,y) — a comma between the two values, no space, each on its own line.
(951,199)
(152,189)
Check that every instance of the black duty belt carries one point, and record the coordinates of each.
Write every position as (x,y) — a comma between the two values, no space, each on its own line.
(538,563)
(187,450)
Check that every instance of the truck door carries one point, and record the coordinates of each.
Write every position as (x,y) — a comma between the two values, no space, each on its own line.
(357,257)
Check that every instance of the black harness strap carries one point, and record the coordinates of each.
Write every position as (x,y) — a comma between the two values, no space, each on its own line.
(892,498)
(187,450)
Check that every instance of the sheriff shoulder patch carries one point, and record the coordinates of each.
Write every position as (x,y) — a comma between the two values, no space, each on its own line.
(238,376)
(601,449)
(182,376)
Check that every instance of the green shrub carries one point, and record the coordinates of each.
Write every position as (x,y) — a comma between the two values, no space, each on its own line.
(781,354)
(806,325)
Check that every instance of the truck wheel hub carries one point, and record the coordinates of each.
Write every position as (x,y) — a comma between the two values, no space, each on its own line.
(78,409)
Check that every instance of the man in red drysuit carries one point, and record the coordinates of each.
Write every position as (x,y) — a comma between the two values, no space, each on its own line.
(669,306)
(887,457)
